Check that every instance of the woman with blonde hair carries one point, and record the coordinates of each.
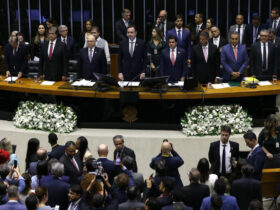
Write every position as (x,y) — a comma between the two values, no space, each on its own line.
(39,39)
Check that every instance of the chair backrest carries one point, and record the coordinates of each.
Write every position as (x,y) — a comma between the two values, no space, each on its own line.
(270,181)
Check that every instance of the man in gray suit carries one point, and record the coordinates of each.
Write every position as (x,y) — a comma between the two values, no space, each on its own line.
(239,27)
(131,203)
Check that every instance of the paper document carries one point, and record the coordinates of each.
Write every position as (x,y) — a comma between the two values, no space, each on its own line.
(47,83)
(130,84)
(176,84)
(264,83)
(220,86)
(11,79)
(83,83)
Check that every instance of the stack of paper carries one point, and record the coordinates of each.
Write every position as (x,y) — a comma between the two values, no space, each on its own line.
(220,86)
(11,79)
(176,84)
(83,82)
(264,83)
(47,83)
(130,84)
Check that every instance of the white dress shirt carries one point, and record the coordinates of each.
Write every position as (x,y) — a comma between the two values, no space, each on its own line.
(266,49)
(62,38)
(125,23)
(242,29)
(133,45)
(216,41)
(54,42)
(181,31)
(175,53)
(106,49)
(228,157)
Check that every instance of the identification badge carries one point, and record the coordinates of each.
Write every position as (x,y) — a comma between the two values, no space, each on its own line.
(277,144)
(155,51)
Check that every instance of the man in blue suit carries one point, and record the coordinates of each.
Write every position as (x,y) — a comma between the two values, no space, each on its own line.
(183,36)
(67,40)
(256,156)
(172,160)
(274,21)
(92,59)
(57,150)
(13,198)
(132,57)
(234,59)
(173,61)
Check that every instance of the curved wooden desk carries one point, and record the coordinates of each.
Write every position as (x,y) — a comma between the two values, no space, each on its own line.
(29,86)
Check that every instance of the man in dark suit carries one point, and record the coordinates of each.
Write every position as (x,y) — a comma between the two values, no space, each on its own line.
(183,36)
(42,154)
(13,198)
(273,38)
(57,189)
(67,40)
(172,160)
(239,28)
(122,151)
(75,195)
(92,59)
(132,202)
(246,188)
(197,27)
(72,162)
(132,57)
(178,197)
(122,25)
(252,31)
(205,60)
(234,59)
(274,21)
(173,61)
(263,61)
(109,167)
(53,59)
(16,57)
(217,39)
(256,156)
(164,24)
(223,154)
(195,192)
(57,150)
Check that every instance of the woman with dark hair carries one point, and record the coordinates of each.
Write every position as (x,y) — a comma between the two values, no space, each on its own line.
(39,39)
(27,190)
(209,23)
(87,31)
(269,137)
(42,195)
(83,150)
(31,154)
(42,170)
(3,193)
(31,202)
(154,48)
(205,176)
(216,202)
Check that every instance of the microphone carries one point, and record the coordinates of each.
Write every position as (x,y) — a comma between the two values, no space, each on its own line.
(134,78)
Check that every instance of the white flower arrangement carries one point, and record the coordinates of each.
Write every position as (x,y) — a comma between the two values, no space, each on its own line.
(47,117)
(207,120)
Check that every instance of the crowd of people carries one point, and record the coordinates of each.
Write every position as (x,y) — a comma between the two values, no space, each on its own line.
(69,177)
(175,49)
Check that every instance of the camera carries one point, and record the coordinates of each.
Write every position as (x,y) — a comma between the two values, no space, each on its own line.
(97,169)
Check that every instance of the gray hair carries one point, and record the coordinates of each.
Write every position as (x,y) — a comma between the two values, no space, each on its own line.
(264,31)
(118,137)
(12,191)
(57,170)
(234,33)
(4,171)
(272,30)
(62,27)
(54,29)
(6,145)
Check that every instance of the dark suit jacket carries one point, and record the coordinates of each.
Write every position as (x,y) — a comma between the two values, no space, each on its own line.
(171,207)
(18,62)
(58,193)
(194,194)
(256,60)
(222,42)
(178,70)
(172,164)
(135,65)
(69,168)
(169,26)
(127,152)
(98,63)
(256,159)
(269,23)
(110,168)
(121,30)
(277,42)
(13,205)
(56,67)
(214,155)
(36,49)
(245,190)
(33,168)
(186,40)
(230,64)
(131,204)
(70,45)
(205,71)
(57,152)
(248,34)
(194,35)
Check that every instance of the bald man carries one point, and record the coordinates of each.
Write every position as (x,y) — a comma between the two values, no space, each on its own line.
(42,154)
(172,160)
(109,167)
(164,24)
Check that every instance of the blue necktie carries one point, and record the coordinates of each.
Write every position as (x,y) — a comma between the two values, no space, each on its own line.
(224,160)
(179,38)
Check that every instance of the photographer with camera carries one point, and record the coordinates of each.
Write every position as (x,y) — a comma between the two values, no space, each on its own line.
(14,178)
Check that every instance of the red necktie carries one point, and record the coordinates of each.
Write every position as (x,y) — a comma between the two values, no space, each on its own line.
(235,52)
(64,40)
(172,58)
(51,51)
(75,164)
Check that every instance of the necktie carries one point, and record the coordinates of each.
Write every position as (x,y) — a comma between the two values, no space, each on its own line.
(51,51)
(224,160)
(239,32)
(274,24)
(235,52)
(131,49)
(172,58)
(264,57)
(75,164)
(197,29)
(179,37)
(205,54)
(255,34)
(90,55)
(64,40)
(250,154)
(14,52)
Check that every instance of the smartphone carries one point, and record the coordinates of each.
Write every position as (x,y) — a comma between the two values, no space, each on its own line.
(118,160)
(15,163)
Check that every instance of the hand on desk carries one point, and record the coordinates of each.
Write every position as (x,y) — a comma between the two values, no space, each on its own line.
(121,76)
(142,76)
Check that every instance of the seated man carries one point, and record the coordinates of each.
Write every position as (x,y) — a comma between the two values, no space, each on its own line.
(173,61)
(92,59)
(234,59)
